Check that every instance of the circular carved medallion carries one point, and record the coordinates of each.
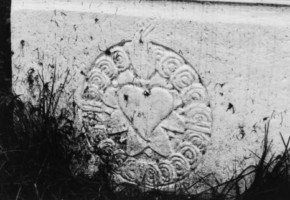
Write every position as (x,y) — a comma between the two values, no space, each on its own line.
(146,106)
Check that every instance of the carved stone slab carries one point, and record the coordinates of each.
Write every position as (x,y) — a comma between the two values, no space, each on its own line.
(148,108)
(241,52)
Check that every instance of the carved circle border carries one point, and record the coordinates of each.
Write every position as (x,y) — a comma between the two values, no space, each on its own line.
(179,164)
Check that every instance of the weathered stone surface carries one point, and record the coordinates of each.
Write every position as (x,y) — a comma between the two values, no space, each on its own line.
(240,52)
(154,100)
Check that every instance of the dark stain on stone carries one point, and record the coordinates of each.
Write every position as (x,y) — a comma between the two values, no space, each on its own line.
(30,79)
(56,23)
(96,20)
(22,42)
(86,52)
(242,132)
(231,107)
(200,79)
(83,73)
(140,41)
(146,93)
(265,118)
(126,97)
(108,52)
(220,84)
(254,128)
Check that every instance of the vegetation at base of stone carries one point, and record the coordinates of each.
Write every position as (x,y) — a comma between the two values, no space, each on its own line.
(37,148)
(270,177)
(270,180)
(34,162)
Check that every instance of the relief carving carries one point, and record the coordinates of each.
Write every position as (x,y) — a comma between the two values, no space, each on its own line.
(146,106)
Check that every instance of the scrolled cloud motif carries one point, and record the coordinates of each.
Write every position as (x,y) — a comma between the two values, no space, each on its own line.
(92,92)
(190,152)
(120,58)
(196,92)
(119,158)
(157,51)
(168,174)
(107,145)
(180,164)
(184,77)
(198,118)
(199,140)
(169,64)
(130,170)
(98,79)
(106,65)
(151,175)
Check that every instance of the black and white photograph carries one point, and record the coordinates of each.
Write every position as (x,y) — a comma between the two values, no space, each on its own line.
(145,100)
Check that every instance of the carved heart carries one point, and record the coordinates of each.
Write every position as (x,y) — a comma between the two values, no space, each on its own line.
(145,109)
